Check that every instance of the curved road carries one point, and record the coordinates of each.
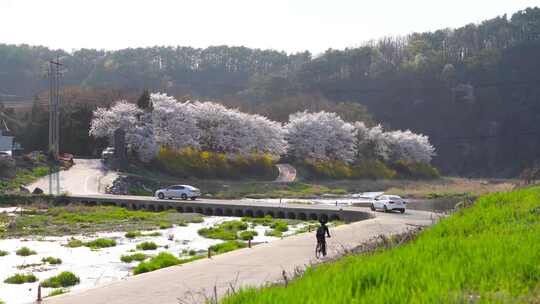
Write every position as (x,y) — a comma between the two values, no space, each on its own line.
(87,176)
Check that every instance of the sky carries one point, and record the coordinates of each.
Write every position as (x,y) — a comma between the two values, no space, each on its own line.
(291,26)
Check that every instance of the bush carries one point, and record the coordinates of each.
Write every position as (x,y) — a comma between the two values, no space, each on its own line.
(133,257)
(147,246)
(265,221)
(3,253)
(248,235)
(192,252)
(132,234)
(371,169)
(162,260)
(227,246)
(74,243)
(326,169)
(224,231)
(205,164)
(100,243)
(21,279)
(52,260)
(64,279)
(280,226)
(25,251)
(273,232)
(415,170)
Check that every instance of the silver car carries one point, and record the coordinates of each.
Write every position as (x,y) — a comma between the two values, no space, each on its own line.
(182,191)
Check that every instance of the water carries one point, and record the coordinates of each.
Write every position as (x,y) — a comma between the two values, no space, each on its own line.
(97,267)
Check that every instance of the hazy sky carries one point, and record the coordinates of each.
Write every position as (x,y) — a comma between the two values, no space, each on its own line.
(293,25)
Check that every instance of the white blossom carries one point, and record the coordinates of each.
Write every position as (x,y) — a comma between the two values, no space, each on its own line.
(122,115)
(320,136)
(409,146)
(174,123)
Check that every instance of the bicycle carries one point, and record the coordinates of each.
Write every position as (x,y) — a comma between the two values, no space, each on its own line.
(320,249)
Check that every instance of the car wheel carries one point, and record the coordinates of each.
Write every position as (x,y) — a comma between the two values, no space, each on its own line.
(372,207)
(402,210)
(184,196)
(385,208)
(161,195)
(193,198)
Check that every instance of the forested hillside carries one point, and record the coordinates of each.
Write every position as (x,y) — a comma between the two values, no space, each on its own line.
(474,90)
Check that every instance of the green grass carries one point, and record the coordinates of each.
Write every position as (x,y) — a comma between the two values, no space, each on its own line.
(147,246)
(487,253)
(23,177)
(3,253)
(227,246)
(135,234)
(52,260)
(64,279)
(248,235)
(57,292)
(79,219)
(100,243)
(224,231)
(133,257)
(264,221)
(74,243)
(162,260)
(20,278)
(25,251)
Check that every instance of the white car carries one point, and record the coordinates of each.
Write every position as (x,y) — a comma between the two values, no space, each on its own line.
(182,191)
(388,203)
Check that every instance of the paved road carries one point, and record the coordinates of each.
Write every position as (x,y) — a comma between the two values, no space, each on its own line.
(87,176)
(287,173)
(195,282)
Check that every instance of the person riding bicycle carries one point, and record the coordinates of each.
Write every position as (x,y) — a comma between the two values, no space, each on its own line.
(322,232)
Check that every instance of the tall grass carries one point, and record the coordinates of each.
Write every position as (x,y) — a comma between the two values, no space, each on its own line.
(487,253)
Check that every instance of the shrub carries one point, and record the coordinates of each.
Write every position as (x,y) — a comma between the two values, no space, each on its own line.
(205,164)
(224,231)
(192,252)
(248,235)
(3,253)
(64,279)
(327,169)
(21,279)
(371,169)
(74,243)
(147,246)
(280,226)
(265,221)
(100,243)
(227,246)
(52,260)
(132,234)
(133,257)
(162,260)
(273,232)
(415,170)
(25,251)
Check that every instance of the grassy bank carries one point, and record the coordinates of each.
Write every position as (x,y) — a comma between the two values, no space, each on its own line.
(487,253)
(76,219)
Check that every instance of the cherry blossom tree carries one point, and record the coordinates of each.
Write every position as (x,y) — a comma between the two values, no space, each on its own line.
(121,115)
(320,136)
(174,123)
(409,146)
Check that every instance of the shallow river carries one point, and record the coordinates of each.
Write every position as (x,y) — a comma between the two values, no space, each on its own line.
(97,267)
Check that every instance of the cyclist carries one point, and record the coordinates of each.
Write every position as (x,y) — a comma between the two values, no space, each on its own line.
(322,232)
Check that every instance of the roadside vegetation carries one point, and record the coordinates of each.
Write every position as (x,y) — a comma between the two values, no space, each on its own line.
(224,231)
(64,279)
(162,260)
(79,219)
(57,292)
(486,253)
(227,246)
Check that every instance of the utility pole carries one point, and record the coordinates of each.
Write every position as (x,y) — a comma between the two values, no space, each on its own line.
(54,125)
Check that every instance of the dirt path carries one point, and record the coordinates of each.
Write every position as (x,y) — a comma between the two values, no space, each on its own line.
(195,282)
(87,176)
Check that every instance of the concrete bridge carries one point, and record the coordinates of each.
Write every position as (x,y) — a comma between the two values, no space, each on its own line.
(237,208)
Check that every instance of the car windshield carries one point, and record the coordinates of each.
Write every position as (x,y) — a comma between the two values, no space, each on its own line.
(393,197)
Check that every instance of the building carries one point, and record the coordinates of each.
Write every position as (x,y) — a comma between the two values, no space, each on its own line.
(7,140)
